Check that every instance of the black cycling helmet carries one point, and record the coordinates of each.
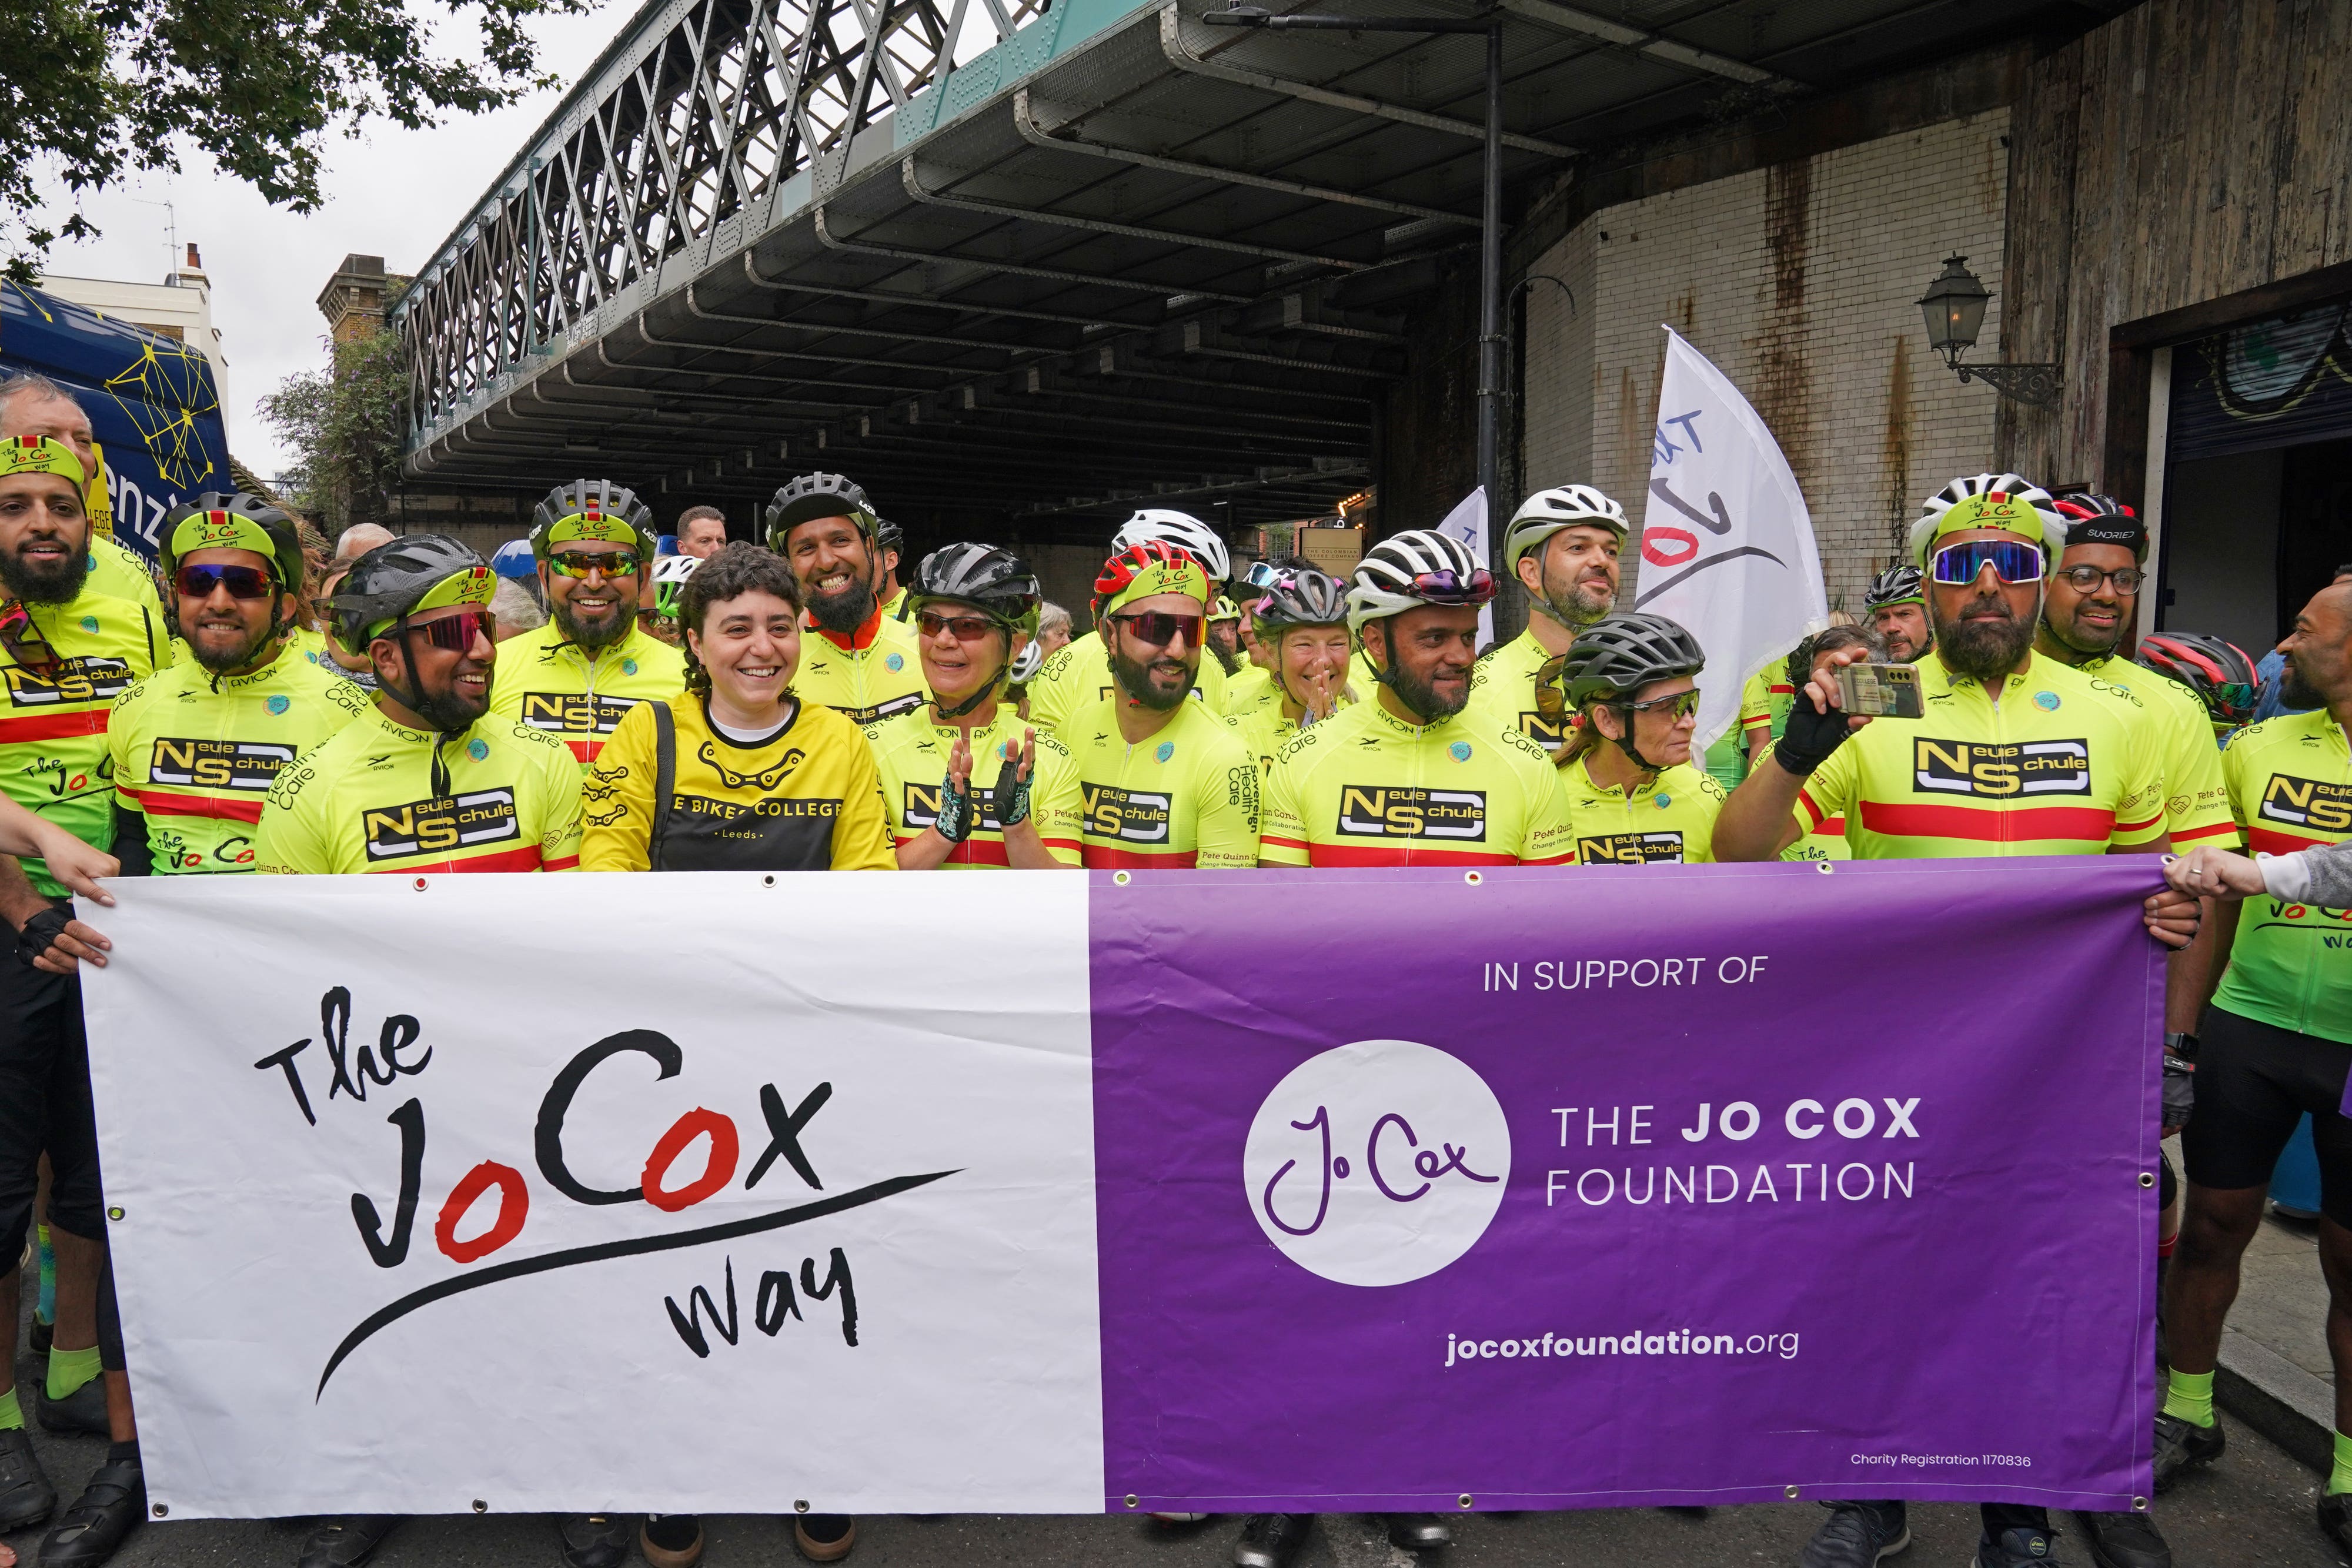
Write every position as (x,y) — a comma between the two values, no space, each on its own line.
(997,583)
(394,580)
(994,581)
(818,496)
(219,521)
(1903,584)
(2219,672)
(1307,598)
(592,509)
(889,536)
(1617,656)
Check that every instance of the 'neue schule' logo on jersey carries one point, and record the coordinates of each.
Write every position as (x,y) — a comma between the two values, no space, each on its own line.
(1629,849)
(1134,816)
(68,681)
(1381,812)
(2313,805)
(2004,770)
(922,808)
(218,764)
(436,827)
(573,712)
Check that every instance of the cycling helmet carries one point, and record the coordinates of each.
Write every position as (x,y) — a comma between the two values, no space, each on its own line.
(592,509)
(814,495)
(218,520)
(1140,571)
(2095,519)
(889,536)
(2218,672)
(394,580)
(1182,529)
(1546,512)
(1417,566)
(1306,598)
(1026,664)
(1617,656)
(514,559)
(994,581)
(1903,584)
(1990,500)
(670,573)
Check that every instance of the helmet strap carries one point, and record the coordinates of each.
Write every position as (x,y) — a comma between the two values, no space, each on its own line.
(430,709)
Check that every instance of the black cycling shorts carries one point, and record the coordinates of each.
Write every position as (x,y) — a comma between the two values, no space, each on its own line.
(45,1106)
(2255,1081)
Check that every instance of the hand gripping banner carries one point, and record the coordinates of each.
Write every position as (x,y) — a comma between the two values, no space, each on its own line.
(1379,1190)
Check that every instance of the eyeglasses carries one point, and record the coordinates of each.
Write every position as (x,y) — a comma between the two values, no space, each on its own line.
(24,640)
(580,563)
(1264,574)
(2013,561)
(242,582)
(963,628)
(1454,588)
(1158,628)
(1684,703)
(2086,578)
(455,633)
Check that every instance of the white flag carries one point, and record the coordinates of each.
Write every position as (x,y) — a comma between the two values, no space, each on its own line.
(1727,543)
(1467,522)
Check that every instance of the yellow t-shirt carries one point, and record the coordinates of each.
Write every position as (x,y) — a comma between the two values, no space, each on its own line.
(805,799)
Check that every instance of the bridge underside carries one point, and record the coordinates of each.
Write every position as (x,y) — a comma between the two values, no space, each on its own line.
(1163,260)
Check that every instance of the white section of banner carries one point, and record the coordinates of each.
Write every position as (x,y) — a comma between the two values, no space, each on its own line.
(975,1380)
(1467,522)
(1727,541)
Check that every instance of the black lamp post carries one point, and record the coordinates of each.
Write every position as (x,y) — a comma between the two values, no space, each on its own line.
(1490,250)
(1954,306)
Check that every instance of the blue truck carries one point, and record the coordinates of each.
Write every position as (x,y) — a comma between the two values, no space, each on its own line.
(151,401)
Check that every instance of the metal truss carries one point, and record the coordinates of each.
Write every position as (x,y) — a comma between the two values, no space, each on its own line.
(715,112)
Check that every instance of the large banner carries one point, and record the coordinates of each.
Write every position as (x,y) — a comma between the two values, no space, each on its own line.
(1035,1192)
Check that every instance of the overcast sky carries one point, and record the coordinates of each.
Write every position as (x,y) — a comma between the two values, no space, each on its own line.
(394,193)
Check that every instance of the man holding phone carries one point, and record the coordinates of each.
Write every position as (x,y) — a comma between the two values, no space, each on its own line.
(2012,754)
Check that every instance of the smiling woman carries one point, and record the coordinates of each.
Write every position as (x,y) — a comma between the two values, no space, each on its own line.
(738,774)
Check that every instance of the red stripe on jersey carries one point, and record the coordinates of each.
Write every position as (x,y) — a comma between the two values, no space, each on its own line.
(155,803)
(1278,839)
(1833,826)
(2020,825)
(53,726)
(2271,842)
(1094,857)
(1805,800)
(505,860)
(2145,823)
(1363,855)
(1762,721)
(566,862)
(2211,831)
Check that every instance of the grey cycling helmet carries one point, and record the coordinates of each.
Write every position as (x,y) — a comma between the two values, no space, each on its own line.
(814,495)
(1617,656)
(394,580)
(1307,598)
(592,510)
(1896,585)
(993,581)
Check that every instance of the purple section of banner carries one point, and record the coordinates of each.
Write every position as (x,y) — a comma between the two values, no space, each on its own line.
(1738,1183)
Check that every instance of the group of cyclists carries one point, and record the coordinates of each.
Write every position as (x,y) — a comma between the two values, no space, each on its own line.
(791,705)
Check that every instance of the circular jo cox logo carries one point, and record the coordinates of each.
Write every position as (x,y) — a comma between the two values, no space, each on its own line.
(1377,1163)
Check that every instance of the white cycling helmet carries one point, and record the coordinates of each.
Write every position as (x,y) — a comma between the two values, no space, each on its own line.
(1026,664)
(672,569)
(1181,530)
(1386,580)
(1546,512)
(2014,486)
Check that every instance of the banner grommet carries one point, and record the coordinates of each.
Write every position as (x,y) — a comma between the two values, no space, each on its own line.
(420,885)
(1791,1492)
(160,1509)
(1131,1500)
(1121,878)
(2139,1505)
(481,1506)
(114,1213)
(2148,1178)
(800,1505)
(1826,868)
(1464,1499)
(1474,878)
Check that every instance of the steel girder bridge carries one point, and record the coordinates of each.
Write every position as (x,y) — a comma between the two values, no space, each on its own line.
(1023,260)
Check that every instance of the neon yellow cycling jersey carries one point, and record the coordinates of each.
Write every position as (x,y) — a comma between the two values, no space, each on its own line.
(544,682)
(1365,788)
(2054,769)
(1825,842)
(195,754)
(1249,689)
(1764,704)
(2197,799)
(53,756)
(118,571)
(1669,818)
(378,796)
(911,751)
(1187,795)
(1504,684)
(871,676)
(2290,782)
(312,646)
(1077,675)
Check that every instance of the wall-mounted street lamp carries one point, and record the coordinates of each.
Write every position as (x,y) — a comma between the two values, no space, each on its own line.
(1954,306)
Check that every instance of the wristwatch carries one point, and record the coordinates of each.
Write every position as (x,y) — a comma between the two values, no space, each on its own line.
(2182,1045)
